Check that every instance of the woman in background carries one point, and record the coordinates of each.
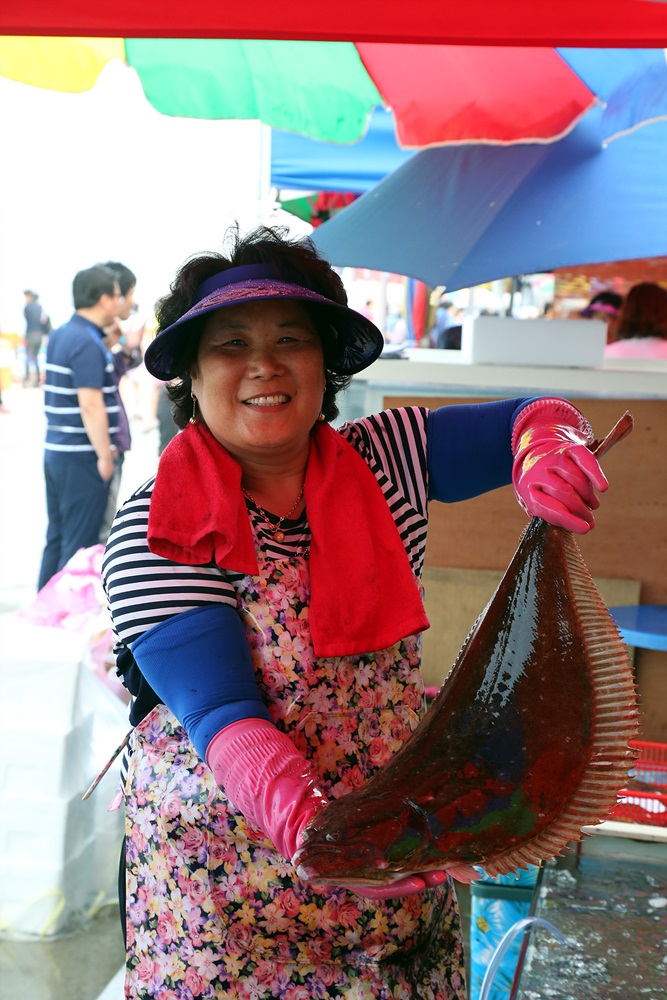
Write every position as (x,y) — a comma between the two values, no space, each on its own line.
(642,324)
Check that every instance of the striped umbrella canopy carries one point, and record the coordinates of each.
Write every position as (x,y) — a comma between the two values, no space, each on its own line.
(438,94)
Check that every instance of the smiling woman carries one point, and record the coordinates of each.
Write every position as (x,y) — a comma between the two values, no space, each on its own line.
(265,593)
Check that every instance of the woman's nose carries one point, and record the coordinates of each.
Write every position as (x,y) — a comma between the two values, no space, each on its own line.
(265,361)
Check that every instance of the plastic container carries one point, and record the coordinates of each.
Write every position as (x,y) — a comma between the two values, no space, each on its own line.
(646,805)
(38,764)
(496,904)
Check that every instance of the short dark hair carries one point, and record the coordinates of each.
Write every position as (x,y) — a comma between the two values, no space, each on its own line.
(264,245)
(644,312)
(91,284)
(29,291)
(126,279)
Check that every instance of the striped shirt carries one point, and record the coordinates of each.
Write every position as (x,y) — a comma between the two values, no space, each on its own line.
(76,359)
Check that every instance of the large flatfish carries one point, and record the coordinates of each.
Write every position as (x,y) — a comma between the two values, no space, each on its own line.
(525,743)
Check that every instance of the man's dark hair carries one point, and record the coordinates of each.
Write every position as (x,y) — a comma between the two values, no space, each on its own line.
(126,279)
(91,284)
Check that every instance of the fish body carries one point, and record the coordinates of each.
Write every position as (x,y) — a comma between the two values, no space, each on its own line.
(525,743)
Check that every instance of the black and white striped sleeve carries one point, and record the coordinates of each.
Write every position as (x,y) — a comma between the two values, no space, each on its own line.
(144,589)
(393,444)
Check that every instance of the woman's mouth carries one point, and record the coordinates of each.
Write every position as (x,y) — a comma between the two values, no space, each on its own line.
(276,400)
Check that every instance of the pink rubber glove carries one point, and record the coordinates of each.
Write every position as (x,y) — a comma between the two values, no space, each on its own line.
(555,475)
(404,887)
(267,779)
(273,785)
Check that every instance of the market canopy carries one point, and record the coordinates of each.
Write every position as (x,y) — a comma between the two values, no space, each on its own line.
(615,23)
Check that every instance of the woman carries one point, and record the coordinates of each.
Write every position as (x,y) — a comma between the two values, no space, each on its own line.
(605,306)
(264,593)
(642,324)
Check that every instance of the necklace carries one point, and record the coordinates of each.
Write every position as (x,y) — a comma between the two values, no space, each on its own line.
(276,529)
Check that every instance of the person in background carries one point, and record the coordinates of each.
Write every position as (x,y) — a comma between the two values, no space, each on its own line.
(81,406)
(125,346)
(606,307)
(264,589)
(642,324)
(446,331)
(167,427)
(37,323)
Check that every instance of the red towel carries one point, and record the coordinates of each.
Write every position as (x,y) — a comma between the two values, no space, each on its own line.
(364,596)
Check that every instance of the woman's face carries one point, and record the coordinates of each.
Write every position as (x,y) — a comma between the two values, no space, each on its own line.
(259,378)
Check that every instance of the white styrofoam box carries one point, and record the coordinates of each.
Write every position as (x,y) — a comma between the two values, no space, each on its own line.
(38,899)
(502,340)
(39,676)
(34,763)
(44,830)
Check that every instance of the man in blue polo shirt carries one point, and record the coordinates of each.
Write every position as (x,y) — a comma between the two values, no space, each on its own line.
(81,405)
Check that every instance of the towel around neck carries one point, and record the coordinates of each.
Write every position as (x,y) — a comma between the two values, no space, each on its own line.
(364,596)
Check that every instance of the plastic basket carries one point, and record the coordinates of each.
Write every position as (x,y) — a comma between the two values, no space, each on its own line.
(645,805)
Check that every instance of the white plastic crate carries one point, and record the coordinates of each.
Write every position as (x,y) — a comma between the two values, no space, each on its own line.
(502,340)
(35,763)
(38,899)
(48,831)
(39,677)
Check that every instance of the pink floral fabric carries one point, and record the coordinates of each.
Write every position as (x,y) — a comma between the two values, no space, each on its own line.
(212,909)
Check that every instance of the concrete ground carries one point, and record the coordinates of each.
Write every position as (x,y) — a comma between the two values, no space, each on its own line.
(86,965)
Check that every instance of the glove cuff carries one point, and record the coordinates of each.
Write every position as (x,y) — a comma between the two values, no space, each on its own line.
(548,411)
(267,779)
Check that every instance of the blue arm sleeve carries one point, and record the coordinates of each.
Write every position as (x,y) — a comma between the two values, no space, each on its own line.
(468,449)
(199,665)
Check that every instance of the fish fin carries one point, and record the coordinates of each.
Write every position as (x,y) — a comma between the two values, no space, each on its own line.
(463,873)
(615,723)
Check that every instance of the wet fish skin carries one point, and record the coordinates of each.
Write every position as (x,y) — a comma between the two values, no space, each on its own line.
(526,742)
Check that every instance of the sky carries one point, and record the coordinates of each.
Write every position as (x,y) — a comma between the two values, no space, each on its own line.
(102,176)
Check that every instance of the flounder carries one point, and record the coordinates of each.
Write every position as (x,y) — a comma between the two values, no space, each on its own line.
(525,743)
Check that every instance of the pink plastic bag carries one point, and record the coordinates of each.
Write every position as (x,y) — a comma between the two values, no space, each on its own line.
(74,599)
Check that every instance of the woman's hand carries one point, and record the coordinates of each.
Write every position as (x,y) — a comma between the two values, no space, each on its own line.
(555,475)
(404,886)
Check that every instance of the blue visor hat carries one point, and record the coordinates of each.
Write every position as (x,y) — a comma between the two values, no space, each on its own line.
(352,342)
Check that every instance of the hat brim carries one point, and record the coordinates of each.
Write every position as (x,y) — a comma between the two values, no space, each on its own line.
(355,341)
(609,311)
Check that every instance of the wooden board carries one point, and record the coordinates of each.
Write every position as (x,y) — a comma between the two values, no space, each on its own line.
(629,541)
(454,599)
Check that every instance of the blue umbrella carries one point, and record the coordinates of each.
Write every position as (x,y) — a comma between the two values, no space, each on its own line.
(309,165)
(460,216)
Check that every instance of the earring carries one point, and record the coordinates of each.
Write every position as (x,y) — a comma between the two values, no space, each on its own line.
(321,418)
(193,418)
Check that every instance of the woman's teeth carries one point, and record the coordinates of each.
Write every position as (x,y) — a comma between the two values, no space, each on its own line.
(268,400)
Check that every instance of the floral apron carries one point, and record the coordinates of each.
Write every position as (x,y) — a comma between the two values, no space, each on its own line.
(212,909)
